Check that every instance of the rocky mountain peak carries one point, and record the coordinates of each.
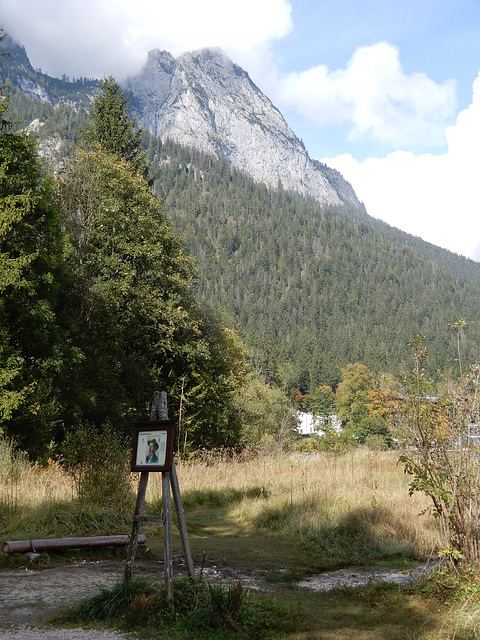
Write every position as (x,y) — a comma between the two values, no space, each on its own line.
(204,100)
(16,53)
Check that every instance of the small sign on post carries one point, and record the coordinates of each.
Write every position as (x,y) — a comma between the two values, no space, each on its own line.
(153,445)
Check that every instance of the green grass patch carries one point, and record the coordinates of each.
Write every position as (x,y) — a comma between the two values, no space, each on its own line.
(272,536)
(221,497)
(353,542)
(199,609)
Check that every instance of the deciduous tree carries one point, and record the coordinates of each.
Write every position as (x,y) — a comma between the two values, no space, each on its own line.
(357,407)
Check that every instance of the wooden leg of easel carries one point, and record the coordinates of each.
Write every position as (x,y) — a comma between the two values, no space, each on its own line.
(167,534)
(132,547)
(182,525)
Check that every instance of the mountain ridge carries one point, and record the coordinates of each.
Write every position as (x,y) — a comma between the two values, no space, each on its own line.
(200,99)
(315,285)
(203,99)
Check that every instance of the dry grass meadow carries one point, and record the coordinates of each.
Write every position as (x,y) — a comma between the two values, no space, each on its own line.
(286,514)
(359,494)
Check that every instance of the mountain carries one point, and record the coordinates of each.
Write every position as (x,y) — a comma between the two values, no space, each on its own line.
(310,279)
(16,69)
(201,100)
(314,287)
(204,100)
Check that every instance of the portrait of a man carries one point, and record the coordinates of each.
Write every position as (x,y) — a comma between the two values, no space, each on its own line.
(152,457)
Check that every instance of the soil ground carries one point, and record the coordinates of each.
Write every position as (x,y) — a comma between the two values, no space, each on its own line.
(29,595)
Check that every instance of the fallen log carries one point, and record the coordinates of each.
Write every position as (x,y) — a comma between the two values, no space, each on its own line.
(20,546)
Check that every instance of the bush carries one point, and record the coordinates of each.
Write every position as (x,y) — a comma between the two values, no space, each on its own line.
(376,442)
(331,441)
(99,462)
(442,458)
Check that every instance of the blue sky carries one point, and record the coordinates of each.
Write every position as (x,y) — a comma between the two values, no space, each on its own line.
(383,90)
(439,38)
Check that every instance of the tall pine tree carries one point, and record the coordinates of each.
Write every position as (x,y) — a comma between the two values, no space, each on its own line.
(139,329)
(32,347)
(111,128)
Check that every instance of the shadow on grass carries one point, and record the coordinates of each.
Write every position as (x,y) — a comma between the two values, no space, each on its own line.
(359,537)
(382,612)
(298,537)
(220,497)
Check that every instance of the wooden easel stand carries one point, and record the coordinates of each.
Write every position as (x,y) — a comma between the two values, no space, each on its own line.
(169,479)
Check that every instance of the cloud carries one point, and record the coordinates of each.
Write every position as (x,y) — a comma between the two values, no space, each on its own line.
(98,37)
(372,95)
(376,97)
(435,197)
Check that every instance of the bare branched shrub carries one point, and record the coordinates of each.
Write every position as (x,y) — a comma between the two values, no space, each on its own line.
(443,456)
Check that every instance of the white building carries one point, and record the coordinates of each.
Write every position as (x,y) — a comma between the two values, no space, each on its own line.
(308,424)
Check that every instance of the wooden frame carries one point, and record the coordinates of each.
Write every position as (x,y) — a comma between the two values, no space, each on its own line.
(153,445)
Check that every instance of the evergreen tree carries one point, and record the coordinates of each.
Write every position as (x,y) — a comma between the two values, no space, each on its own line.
(112,128)
(138,326)
(132,290)
(32,347)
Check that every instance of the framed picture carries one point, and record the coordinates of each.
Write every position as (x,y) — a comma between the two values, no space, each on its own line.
(153,445)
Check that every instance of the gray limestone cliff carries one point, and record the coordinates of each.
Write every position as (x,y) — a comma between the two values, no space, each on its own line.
(202,99)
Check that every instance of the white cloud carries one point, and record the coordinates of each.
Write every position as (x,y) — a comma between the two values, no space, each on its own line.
(431,196)
(372,94)
(98,37)
(375,96)
(435,197)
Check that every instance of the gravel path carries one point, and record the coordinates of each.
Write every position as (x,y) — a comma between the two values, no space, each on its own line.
(28,596)
(361,577)
(60,634)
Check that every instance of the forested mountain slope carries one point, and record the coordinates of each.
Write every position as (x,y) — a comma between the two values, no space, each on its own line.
(312,286)
(316,286)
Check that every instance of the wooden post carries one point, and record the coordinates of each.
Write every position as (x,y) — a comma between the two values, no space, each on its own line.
(182,525)
(159,411)
(159,406)
(132,548)
(167,534)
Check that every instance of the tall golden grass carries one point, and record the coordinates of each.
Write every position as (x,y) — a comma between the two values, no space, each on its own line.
(23,484)
(297,494)
(319,491)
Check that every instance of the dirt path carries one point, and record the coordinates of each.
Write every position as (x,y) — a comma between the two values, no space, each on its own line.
(28,596)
